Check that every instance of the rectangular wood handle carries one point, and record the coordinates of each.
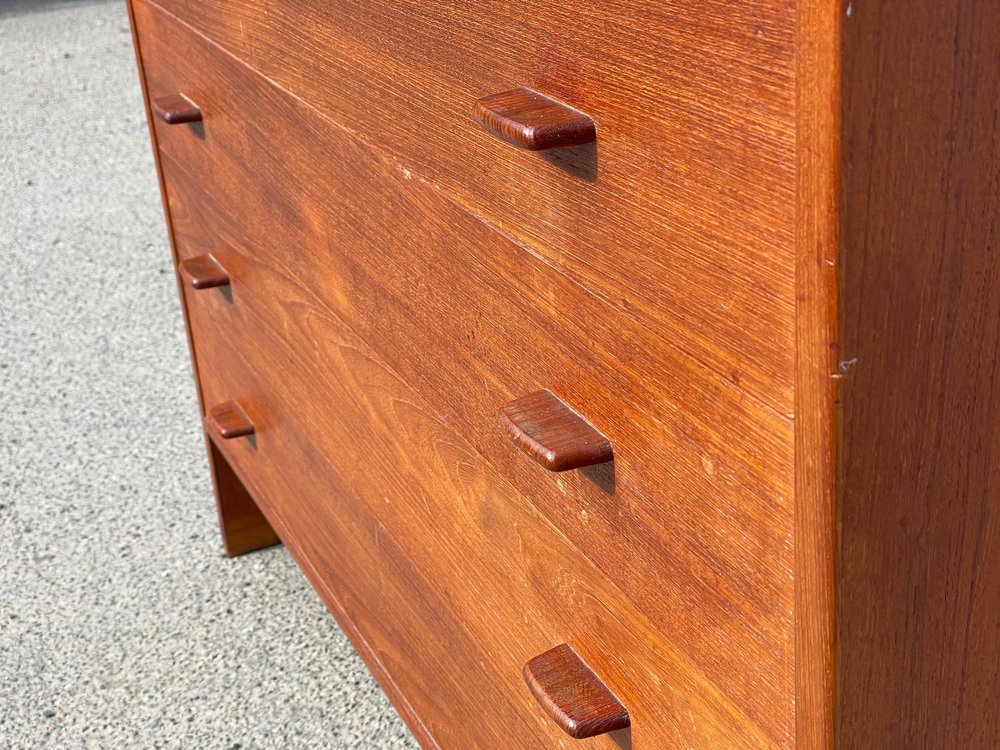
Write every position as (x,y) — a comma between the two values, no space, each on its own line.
(576,698)
(175,109)
(552,434)
(204,272)
(230,421)
(533,121)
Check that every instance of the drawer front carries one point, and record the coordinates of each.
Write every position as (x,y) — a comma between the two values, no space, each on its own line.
(680,217)
(451,576)
(693,522)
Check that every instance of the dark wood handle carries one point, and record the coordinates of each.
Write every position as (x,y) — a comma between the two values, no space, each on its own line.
(553,434)
(534,121)
(204,272)
(230,421)
(576,698)
(175,109)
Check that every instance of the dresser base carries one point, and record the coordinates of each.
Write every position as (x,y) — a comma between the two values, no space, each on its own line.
(244,528)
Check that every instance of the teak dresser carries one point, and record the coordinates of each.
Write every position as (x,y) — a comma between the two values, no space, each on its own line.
(622,374)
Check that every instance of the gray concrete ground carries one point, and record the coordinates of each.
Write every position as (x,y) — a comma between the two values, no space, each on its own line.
(121,623)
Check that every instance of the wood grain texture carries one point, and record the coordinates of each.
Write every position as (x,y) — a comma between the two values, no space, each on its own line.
(204,272)
(554,435)
(816,425)
(682,216)
(533,121)
(790,200)
(711,564)
(407,531)
(244,528)
(229,421)
(573,695)
(589,507)
(175,109)
(691,602)
(919,498)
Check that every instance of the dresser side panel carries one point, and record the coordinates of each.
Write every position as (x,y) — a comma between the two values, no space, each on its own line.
(919,487)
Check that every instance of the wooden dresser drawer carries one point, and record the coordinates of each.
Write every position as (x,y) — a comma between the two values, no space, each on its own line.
(412,532)
(758,275)
(681,215)
(472,321)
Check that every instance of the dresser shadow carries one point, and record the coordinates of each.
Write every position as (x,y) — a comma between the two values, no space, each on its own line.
(579,161)
(603,475)
(197,129)
(623,738)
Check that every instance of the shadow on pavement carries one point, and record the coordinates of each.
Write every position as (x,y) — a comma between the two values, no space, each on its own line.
(22,7)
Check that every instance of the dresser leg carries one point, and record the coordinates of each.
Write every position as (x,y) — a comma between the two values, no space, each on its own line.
(244,528)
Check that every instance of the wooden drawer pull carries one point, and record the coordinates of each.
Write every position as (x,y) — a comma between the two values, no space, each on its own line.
(204,272)
(553,434)
(576,698)
(534,121)
(230,421)
(175,109)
